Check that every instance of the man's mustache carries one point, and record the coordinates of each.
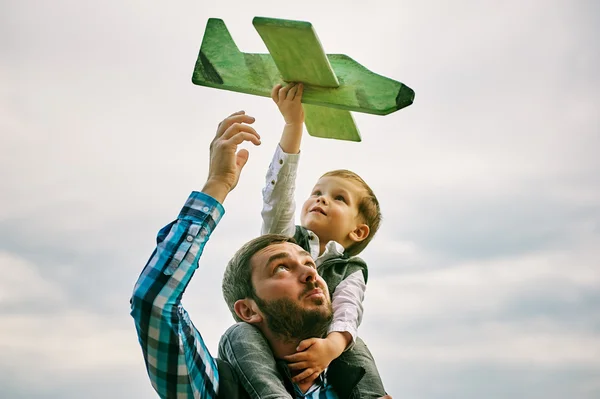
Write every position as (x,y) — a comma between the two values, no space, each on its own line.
(311,285)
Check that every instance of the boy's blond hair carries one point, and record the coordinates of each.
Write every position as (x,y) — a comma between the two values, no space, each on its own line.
(368,209)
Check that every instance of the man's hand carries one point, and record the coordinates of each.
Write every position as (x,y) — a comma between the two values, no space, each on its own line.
(289,102)
(225,163)
(313,356)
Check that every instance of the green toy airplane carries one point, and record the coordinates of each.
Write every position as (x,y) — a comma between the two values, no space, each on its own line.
(334,84)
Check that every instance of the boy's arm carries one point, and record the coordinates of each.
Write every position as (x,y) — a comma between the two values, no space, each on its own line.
(177,360)
(278,194)
(347,302)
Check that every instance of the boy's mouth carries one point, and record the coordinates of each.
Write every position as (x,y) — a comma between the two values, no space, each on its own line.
(319,210)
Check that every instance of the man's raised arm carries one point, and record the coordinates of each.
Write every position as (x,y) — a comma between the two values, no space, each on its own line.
(177,360)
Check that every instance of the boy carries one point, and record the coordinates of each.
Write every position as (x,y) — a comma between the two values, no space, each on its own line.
(337,221)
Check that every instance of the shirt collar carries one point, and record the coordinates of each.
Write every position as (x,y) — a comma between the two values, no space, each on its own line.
(333,249)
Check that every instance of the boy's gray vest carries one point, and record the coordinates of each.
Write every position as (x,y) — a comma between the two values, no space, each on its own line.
(333,270)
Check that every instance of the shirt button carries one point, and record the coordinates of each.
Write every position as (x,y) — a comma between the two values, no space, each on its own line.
(206,209)
(189,238)
(281,162)
(311,237)
(273,182)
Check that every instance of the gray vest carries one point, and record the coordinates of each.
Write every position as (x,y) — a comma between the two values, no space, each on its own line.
(333,270)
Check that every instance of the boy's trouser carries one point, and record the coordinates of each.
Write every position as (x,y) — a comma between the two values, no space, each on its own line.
(246,349)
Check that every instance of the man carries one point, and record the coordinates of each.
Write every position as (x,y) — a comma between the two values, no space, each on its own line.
(287,300)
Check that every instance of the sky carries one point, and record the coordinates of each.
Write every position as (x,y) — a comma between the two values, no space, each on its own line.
(485,275)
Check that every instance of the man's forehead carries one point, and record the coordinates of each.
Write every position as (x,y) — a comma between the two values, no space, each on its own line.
(278,251)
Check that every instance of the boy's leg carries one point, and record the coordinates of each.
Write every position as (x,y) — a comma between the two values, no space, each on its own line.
(370,386)
(248,352)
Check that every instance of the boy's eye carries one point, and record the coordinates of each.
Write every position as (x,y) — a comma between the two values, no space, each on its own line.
(340,198)
(316,192)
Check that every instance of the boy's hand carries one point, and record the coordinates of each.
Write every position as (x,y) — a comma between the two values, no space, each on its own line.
(313,356)
(289,101)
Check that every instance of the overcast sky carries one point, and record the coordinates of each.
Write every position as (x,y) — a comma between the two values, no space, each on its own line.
(485,276)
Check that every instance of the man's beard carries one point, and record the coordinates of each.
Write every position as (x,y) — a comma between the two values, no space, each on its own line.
(287,319)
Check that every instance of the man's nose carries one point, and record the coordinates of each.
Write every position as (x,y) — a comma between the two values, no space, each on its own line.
(309,274)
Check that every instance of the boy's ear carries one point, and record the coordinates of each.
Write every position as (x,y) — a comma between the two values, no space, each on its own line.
(360,233)
(247,310)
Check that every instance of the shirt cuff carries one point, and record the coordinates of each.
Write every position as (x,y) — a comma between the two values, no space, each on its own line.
(198,205)
(281,158)
(344,327)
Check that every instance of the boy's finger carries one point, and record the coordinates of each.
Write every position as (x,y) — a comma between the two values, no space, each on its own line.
(298,366)
(296,357)
(305,374)
(299,92)
(284,90)
(275,92)
(292,93)
(305,344)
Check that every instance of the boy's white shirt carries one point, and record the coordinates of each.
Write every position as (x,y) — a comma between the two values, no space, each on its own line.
(278,218)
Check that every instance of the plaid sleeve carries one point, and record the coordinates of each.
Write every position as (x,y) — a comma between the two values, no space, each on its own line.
(177,360)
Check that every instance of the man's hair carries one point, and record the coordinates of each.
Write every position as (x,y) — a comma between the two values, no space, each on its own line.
(368,209)
(237,281)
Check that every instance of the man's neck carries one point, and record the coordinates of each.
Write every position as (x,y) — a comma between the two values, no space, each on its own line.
(279,345)
(283,347)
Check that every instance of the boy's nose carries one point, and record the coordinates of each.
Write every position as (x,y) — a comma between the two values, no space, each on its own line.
(322,199)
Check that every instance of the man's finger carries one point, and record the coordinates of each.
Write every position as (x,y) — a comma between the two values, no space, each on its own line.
(241,158)
(275,92)
(233,118)
(240,137)
(239,127)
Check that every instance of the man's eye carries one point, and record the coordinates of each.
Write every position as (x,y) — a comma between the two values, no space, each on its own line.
(281,268)
(311,264)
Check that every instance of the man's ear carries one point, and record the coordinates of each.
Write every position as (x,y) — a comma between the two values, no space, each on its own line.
(247,310)
(360,232)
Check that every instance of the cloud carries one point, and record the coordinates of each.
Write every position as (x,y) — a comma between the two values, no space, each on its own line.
(483,278)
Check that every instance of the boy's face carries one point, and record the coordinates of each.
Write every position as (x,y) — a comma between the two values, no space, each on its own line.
(331,211)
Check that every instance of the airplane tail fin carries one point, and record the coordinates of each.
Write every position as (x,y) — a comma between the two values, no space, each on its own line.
(216,42)
(330,123)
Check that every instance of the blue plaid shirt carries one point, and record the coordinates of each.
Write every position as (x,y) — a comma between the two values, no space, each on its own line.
(177,360)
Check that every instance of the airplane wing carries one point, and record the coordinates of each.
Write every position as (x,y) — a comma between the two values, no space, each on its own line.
(299,56)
